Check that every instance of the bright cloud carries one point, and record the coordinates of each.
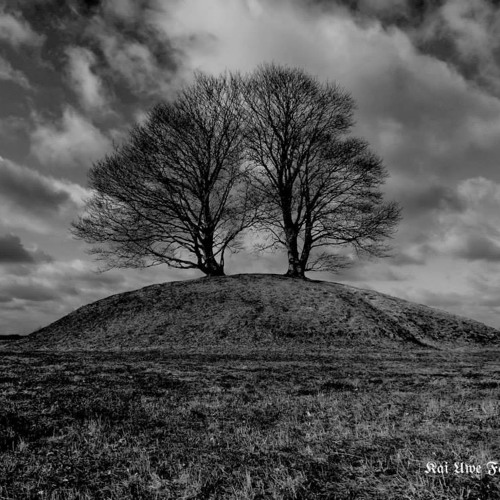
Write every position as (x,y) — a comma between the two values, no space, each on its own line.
(466,20)
(135,62)
(15,30)
(473,27)
(72,142)
(86,83)
(123,9)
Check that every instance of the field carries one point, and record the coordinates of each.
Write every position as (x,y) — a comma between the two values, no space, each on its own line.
(283,424)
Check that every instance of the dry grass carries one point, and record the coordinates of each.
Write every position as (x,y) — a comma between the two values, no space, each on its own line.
(345,424)
(256,310)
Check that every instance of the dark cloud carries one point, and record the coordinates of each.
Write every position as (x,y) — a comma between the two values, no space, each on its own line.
(12,126)
(398,13)
(90,5)
(127,47)
(66,21)
(12,251)
(64,284)
(50,13)
(479,247)
(29,190)
(135,53)
(435,197)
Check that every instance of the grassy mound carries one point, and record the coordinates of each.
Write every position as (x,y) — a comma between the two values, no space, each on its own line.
(255,310)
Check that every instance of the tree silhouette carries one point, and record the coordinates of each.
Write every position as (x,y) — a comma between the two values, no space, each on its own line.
(319,187)
(269,151)
(176,192)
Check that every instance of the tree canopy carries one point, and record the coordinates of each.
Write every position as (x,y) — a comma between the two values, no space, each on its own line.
(269,151)
(176,191)
(319,186)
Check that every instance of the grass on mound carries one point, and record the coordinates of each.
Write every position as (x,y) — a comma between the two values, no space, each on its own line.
(345,424)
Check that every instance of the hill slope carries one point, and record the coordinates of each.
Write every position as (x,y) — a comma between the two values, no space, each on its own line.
(255,310)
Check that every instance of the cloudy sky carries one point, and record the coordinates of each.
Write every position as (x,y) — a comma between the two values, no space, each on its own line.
(76,74)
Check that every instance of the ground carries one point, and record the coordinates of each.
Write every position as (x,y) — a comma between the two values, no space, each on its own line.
(250,424)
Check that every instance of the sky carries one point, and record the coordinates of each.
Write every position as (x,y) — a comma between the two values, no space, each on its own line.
(75,75)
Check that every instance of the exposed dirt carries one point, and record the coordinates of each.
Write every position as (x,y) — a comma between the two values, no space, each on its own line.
(255,310)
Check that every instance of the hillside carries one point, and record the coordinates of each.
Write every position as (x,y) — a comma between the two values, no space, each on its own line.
(255,310)
(10,337)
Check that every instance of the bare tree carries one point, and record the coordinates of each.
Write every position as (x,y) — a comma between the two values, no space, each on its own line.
(318,186)
(176,191)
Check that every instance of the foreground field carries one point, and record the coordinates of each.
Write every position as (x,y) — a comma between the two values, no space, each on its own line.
(249,425)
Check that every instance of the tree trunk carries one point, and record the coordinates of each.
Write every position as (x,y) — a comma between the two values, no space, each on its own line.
(306,249)
(210,265)
(212,268)
(295,268)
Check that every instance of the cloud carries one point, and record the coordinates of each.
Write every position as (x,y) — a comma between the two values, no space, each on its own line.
(422,115)
(124,9)
(468,22)
(59,287)
(139,57)
(29,292)
(397,88)
(362,271)
(71,142)
(425,195)
(13,126)
(29,190)
(32,201)
(478,247)
(51,280)
(424,119)
(80,273)
(77,193)
(473,232)
(416,254)
(380,7)
(471,28)
(8,73)
(216,36)
(482,199)
(479,299)
(16,30)
(51,290)
(13,251)
(86,83)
